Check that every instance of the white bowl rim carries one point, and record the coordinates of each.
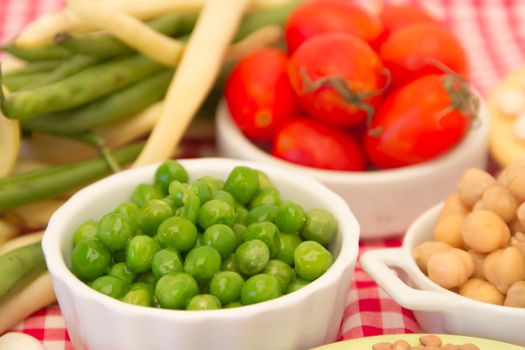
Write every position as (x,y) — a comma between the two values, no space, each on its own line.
(413,232)
(471,141)
(58,269)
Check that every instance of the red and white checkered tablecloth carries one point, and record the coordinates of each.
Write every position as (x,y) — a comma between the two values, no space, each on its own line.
(492,31)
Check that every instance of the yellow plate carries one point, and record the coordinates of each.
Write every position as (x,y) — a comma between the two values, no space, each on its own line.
(505,147)
(413,339)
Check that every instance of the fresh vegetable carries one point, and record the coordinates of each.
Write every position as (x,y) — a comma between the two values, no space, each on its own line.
(412,127)
(9,144)
(43,53)
(18,265)
(422,49)
(338,87)
(259,94)
(193,271)
(49,182)
(397,16)
(300,140)
(331,16)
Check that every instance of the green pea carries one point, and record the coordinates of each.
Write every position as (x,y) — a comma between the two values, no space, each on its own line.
(119,256)
(177,232)
(225,197)
(145,192)
(148,278)
(170,202)
(266,232)
(140,294)
(296,284)
(226,286)
(251,257)
(140,252)
(202,263)
(176,191)
(239,230)
(232,305)
(240,214)
(320,226)
(86,230)
(287,244)
(152,214)
(214,183)
(215,212)
(282,271)
(290,217)
(174,290)
(111,286)
(199,242)
(122,271)
(90,259)
(204,302)
(229,264)
(190,205)
(202,190)
(264,180)
(259,288)
(115,229)
(167,172)
(131,209)
(220,237)
(266,196)
(242,183)
(265,212)
(311,260)
(165,261)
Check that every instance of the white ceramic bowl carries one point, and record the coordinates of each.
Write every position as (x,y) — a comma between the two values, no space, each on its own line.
(385,202)
(437,309)
(306,318)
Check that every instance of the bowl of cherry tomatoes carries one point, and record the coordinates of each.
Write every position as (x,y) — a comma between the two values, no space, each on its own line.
(378,107)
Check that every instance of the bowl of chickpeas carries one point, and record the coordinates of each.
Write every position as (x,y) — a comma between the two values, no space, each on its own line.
(463,261)
(199,254)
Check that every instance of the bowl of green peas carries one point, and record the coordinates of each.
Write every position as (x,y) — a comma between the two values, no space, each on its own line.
(203,253)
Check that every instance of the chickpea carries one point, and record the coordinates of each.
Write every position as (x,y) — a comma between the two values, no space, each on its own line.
(400,345)
(518,241)
(450,268)
(516,179)
(520,213)
(499,200)
(472,185)
(468,346)
(485,231)
(450,347)
(502,178)
(478,205)
(447,230)
(516,226)
(478,259)
(382,346)
(430,340)
(516,295)
(504,267)
(453,205)
(423,251)
(481,290)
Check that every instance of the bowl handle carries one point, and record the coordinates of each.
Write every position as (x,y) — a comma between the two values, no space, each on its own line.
(377,264)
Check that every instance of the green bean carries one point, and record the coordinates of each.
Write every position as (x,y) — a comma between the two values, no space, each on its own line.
(85,86)
(47,183)
(18,265)
(123,103)
(18,82)
(34,67)
(50,52)
(105,45)
(68,68)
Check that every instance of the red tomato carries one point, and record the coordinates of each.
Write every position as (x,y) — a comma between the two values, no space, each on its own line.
(420,121)
(259,94)
(325,16)
(395,17)
(307,142)
(419,49)
(334,76)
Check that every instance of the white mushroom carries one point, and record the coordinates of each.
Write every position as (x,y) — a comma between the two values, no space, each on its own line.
(511,102)
(19,341)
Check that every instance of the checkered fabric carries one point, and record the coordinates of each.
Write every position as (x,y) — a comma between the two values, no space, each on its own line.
(492,31)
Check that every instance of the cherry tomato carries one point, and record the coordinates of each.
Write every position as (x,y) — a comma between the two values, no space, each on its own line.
(307,142)
(259,94)
(395,17)
(325,16)
(421,49)
(420,121)
(337,78)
